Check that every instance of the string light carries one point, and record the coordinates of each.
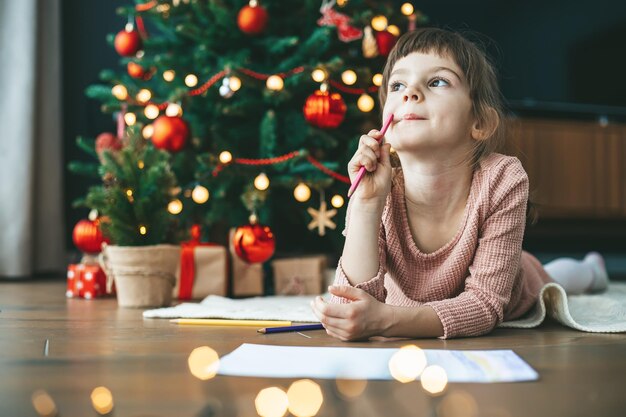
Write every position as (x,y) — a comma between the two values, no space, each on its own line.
(318,75)
(151,111)
(407,9)
(434,379)
(140,164)
(191,80)
(175,206)
(130,118)
(379,23)
(225,157)
(169,75)
(129,193)
(203,362)
(275,83)
(144,95)
(407,363)
(394,30)
(365,103)
(234,83)
(44,404)
(143,230)
(305,398)
(261,182)
(348,77)
(337,201)
(377,79)
(119,92)
(147,131)
(271,402)
(302,192)
(102,400)
(200,194)
(174,110)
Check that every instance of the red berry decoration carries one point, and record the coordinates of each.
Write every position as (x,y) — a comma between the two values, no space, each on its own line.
(254,243)
(127,43)
(88,237)
(107,142)
(137,71)
(385,41)
(324,109)
(170,133)
(252,19)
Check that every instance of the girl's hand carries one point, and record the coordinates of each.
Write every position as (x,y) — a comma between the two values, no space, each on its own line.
(376,183)
(362,318)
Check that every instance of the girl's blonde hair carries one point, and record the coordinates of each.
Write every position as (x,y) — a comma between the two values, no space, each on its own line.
(479,72)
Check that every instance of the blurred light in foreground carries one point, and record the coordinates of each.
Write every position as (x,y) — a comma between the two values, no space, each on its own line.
(302,192)
(351,388)
(271,402)
(200,194)
(175,206)
(226,157)
(102,400)
(203,362)
(305,398)
(44,404)
(407,363)
(337,201)
(434,379)
(457,404)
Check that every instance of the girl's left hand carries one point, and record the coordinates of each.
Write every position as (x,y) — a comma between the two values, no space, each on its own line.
(360,319)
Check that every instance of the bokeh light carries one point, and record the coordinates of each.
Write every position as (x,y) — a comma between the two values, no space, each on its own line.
(271,402)
(305,398)
(407,363)
(434,379)
(203,362)
(102,400)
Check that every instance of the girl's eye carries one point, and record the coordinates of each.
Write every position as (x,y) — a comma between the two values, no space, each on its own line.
(395,86)
(437,82)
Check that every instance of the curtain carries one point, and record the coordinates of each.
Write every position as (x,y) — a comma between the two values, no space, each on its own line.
(31,212)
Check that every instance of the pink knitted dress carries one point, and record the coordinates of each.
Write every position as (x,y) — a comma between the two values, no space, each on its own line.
(479,278)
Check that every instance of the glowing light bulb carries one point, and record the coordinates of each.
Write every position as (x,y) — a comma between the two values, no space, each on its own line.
(407,9)
(147,131)
(130,118)
(44,404)
(379,23)
(348,77)
(119,92)
(175,206)
(144,95)
(302,192)
(191,80)
(102,400)
(271,402)
(407,363)
(377,79)
(174,110)
(365,103)
(261,182)
(140,164)
(394,30)
(434,379)
(200,194)
(305,398)
(318,75)
(225,157)
(275,83)
(129,192)
(151,111)
(203,362)
(169,75)
(337,201)
(234,83)
(143,230)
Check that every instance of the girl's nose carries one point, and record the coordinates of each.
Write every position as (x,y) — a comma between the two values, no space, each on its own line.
(410,96)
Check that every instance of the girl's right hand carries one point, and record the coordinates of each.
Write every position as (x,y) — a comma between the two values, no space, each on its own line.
(376,183)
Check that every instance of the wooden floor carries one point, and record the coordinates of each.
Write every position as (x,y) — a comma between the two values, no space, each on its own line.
(144,364)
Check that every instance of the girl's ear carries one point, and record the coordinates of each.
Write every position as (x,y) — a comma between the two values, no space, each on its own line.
(483,129)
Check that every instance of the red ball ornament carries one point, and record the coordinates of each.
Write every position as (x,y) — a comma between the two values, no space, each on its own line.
(127,43)
(385,41)
(324,109)
(254,243)
(137,71)
(88,237)
(170,133)
(107,142)
(252,19)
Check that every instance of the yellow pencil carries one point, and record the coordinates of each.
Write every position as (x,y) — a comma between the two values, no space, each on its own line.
(239,323)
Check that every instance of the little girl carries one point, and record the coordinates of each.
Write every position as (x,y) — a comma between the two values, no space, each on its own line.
(434,247)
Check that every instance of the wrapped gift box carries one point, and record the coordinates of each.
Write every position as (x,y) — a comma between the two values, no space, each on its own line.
(203,271)
(299,276)
(86,281)
(247,279)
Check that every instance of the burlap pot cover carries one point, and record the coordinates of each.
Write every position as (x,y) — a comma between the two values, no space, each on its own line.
(144,275)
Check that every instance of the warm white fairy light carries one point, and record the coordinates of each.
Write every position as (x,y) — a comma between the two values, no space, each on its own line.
(203,362)
(144,95)
(318,75)
(175,206)
(174,110)
(225,157)
(141,164)
(365,103)
(271,402)
(348,77)
(102,400)
(394,30)
(130,118)
(407,9)
(434,379)
(44,404)
(377,79)
(151,111)
(119,92)
(407,363)
(147,131)
(275,83)
(261,182)
(169,75)
(200,194)
(337,201)
(379,23)
(304,398)
(143,230)
(234,83)
(302,192)
(191,80)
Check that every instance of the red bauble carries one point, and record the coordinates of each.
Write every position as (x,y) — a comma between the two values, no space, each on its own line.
(170,133)
(252,20)
(137,71)
(254,243)
(385,41)
(324,109)
(107,142)
(127,43)
(88,236)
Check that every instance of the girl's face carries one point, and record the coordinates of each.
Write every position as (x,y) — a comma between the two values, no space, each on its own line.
(431,104)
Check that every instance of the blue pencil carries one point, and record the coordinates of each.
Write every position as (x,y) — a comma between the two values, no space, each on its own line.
(296,328)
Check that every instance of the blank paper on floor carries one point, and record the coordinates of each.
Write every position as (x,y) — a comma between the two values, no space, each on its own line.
(370,363)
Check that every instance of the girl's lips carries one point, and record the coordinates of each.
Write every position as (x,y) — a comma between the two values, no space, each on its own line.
(412,116)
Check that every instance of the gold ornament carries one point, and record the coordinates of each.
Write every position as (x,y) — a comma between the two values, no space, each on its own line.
(370,48)
(322,218)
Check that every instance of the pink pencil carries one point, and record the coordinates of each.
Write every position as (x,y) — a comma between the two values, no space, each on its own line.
(361,172)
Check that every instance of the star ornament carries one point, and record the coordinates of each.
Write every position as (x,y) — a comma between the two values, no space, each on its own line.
(322,219)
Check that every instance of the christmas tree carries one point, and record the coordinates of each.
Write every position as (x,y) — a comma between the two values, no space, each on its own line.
(254,108)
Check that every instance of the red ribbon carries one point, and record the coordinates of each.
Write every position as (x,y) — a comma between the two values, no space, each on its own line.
(188,263)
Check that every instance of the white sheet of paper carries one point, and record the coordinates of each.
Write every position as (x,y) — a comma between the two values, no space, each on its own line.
(370,363)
